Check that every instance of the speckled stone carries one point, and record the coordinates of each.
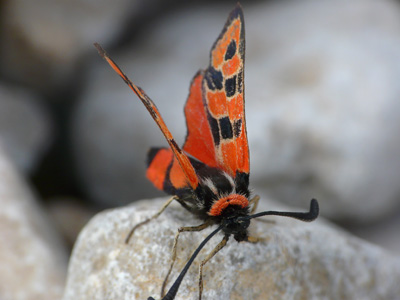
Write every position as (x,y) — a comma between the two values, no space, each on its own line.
(33,260)
(296,261)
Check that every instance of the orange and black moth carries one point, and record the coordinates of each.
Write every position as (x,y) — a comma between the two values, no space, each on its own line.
(209,175)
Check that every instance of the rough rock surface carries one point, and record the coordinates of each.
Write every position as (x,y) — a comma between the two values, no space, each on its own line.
(32,260)
(297,260)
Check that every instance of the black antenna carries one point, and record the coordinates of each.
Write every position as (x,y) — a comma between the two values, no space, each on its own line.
(306,217)
(174,288)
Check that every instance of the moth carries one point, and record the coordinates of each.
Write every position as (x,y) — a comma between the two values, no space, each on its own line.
(209,175)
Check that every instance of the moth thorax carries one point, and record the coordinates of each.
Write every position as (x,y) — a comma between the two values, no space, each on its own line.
(234,199)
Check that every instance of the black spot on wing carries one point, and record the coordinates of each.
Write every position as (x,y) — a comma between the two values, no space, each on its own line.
(214,79)
(226,128)
(214,129)
(230,86)
(237,127)
(231,51)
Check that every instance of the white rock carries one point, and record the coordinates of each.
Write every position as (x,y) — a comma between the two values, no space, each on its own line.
(321,102)
(33,261)
(62,210)
(25,127)
(297,261)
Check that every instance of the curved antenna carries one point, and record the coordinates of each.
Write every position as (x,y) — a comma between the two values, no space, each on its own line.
(174,288)
(306,217)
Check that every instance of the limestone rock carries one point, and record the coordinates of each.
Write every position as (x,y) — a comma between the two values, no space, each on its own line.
(33,260)
(69,216)
(297,260)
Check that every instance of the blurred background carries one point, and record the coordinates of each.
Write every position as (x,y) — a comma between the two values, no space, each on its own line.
(322,106)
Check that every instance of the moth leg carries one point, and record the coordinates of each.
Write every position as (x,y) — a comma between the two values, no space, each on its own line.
(209,256)
(253,239)
(173,256)
(168,202)
(254,201)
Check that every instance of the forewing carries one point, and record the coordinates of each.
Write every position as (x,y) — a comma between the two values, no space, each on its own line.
(223,93)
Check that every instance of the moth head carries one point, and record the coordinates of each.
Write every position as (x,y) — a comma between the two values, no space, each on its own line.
(236,226)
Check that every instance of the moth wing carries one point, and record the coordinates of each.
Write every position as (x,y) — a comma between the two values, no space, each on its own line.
(223,93)
(164,171)
(199,141)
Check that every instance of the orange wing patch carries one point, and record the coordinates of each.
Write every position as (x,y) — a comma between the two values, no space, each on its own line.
(164,171)
(223,89)
(158,164)
(199,142)
(176,176)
